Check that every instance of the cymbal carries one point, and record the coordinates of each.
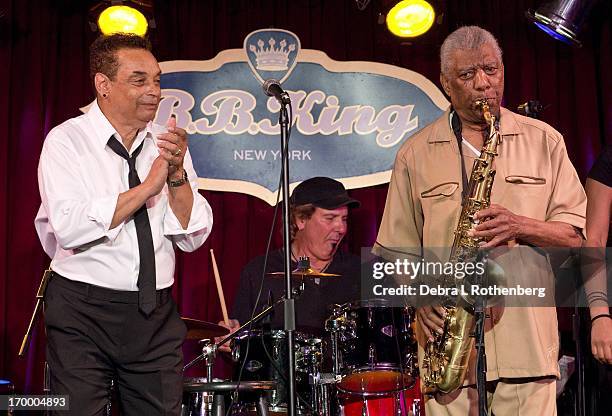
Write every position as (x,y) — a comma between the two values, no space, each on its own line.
(203,330)
(301,273)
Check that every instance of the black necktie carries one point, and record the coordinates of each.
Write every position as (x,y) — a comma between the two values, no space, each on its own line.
(146,272)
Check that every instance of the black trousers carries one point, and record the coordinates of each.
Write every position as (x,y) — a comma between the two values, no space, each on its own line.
(95,335)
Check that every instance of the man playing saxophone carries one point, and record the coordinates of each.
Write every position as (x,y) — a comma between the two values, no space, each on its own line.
(536,200)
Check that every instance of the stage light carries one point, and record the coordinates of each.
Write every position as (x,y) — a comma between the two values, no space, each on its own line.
(410,18)
(122,19)
(562,19)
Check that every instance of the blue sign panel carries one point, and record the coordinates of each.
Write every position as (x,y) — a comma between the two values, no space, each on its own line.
(349,118)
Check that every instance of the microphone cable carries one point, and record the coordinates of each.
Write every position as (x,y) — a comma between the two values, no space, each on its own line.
(265,265)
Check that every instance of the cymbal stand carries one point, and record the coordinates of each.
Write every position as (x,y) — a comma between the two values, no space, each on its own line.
(46,377)
(40,296)
(209,351)
(334,325)
(40,299)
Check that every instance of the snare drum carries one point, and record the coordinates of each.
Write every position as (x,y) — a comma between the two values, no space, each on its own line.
(374,347)
(268,360)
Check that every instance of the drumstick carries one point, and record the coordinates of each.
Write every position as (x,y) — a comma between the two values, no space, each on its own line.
(219,287)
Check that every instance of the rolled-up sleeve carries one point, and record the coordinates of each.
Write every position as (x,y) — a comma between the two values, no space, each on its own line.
(201,219)
(568,200)
(400,230)
(75,219)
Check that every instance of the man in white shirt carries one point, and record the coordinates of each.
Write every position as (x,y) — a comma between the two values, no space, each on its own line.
(109,312)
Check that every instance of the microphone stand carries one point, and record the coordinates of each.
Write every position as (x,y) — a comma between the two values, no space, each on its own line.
(481,356)
(577,338)
(289,304)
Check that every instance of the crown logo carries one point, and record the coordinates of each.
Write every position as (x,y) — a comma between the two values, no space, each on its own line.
(271,53)
(272,58)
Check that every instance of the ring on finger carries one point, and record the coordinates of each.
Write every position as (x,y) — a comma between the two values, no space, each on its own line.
(178,152)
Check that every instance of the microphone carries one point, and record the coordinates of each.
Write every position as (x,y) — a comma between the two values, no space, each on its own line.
(272,88)
(531,108)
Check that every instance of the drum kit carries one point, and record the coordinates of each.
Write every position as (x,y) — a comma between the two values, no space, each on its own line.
(365,365)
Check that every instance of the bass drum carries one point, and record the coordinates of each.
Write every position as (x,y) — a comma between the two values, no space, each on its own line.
(402,403)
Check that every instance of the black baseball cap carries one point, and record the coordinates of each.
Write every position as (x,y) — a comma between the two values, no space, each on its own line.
(322,192)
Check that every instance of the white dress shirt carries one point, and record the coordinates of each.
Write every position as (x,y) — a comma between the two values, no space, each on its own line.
(80,179)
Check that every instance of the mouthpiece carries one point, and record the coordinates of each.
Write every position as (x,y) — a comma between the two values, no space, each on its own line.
(484,106)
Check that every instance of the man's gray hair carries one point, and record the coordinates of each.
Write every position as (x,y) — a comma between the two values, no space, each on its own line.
(465,38)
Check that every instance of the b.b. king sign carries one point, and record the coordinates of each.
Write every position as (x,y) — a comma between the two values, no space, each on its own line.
(349,118)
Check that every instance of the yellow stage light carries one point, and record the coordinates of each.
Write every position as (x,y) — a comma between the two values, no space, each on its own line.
(122,19)
(410,18)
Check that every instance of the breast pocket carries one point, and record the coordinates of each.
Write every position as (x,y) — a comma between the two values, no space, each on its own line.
(440,205)
(526,195)
(444,189)
(525,180)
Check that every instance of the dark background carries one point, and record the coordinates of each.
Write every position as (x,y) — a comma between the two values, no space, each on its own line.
(43,81)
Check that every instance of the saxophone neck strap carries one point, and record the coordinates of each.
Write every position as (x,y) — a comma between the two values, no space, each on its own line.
(455,123)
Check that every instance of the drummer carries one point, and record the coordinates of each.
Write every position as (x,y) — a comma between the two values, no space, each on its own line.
(318,219)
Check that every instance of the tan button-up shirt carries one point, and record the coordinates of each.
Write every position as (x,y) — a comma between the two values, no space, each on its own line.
(534,178)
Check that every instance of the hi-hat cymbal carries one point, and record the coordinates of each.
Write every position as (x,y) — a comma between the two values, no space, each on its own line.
(301,273)
(203,330)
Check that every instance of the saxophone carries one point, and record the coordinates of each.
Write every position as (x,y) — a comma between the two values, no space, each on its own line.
(446,357)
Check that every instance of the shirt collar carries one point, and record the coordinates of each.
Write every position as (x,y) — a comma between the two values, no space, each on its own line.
(442,129)
(443,132)
(508,125)
(103,129)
